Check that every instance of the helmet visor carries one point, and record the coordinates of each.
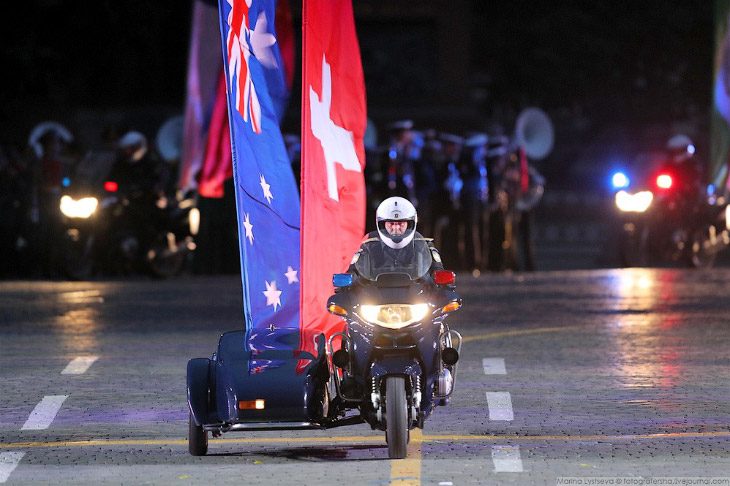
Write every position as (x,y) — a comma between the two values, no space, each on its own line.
(397,229)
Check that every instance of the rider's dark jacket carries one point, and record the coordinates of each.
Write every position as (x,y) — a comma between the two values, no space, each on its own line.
(383,256)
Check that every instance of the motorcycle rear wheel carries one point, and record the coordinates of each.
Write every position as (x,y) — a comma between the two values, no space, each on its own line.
(396,417)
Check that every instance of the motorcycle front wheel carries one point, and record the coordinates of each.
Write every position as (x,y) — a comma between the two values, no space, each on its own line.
(396,417)
(77,256)
(634,245)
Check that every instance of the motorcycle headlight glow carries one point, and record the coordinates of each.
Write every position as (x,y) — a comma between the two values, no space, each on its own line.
(394,316)
(194,220)
(633,203)
(78,208)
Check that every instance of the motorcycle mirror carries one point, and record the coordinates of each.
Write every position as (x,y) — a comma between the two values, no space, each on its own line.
(444,277)
(342,280)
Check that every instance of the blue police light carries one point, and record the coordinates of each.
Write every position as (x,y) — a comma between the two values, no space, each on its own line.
(619,180)
(65,182)
(342,280)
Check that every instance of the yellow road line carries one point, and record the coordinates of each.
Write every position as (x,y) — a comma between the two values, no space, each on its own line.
(520,332)
(407,472)
(416,439)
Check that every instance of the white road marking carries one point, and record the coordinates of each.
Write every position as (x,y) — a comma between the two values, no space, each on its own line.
(446,483)
(8,462)
(44,413)
(78,366)
(506,459)
(494,366)
(500,406)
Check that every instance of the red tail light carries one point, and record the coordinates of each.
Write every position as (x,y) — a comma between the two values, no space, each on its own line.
(664,181)
(444,277)
(111,186)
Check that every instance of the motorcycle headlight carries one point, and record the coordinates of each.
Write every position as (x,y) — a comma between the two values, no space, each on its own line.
(633,203)
(393,316)
(194,221)
(78,208)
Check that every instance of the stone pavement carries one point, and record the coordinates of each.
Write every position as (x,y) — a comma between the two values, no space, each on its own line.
(582,374)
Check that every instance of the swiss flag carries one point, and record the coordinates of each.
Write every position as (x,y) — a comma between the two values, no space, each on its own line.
(334,119)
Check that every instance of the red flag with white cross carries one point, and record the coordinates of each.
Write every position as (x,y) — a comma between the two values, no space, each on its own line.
(334,119)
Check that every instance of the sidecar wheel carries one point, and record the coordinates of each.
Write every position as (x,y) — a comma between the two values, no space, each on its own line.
(396,417)
(197,438)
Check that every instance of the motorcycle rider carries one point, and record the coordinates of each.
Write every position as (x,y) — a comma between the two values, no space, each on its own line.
(396,221)
(685,170)
(138,179)
(133,170)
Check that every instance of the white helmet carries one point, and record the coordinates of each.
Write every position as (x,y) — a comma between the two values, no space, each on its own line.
(396,209)
(136,143)
(680,147)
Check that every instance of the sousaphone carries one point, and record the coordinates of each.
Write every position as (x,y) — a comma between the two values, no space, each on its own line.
(534,132)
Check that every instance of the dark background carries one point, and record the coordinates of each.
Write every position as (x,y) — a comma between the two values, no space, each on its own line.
(612,76)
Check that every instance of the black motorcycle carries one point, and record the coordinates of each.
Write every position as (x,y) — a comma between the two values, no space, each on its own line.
(398,356)
(660,226)
(107,231)
(396,360)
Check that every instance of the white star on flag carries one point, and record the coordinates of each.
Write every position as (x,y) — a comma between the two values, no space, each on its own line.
(273,295)
(261,42)
(291,275)
(267,189)
(249,229)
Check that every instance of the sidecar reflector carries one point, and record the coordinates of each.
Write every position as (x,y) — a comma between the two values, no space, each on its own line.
(337,310)
(111,186)
(258,404)
(451,307)
(444,277)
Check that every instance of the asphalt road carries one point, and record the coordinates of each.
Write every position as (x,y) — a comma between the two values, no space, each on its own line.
(569,377)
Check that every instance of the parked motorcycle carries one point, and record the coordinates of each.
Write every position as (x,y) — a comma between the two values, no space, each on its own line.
(660,226)
(396,360)
(107,231)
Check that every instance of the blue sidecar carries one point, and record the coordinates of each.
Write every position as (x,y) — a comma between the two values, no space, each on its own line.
(257,380)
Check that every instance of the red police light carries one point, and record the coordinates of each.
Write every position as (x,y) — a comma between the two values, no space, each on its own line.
(664,181)
(111,186)
(444,277)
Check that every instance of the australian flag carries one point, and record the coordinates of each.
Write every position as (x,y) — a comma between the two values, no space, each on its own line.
(267,198)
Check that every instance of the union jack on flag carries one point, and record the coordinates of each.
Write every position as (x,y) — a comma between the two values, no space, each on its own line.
(249,39)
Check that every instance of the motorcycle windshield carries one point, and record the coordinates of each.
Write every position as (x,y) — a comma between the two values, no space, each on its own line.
(377,259)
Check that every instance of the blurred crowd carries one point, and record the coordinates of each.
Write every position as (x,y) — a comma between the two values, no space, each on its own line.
(34,178)
(475,194)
